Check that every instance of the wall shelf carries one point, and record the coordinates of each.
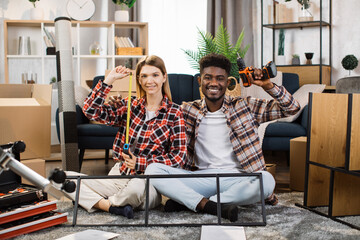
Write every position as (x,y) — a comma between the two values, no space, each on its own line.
(297,25)
(322,71)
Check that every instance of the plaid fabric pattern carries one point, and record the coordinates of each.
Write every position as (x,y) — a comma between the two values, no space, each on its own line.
(244,116)
(161,139)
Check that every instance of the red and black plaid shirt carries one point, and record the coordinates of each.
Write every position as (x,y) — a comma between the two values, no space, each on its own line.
(243,118)
(161,139)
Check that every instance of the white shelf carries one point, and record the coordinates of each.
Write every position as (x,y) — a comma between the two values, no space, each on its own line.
(84,65)
(23,56)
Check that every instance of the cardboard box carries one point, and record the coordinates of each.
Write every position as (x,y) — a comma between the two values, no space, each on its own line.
(129,51)
(123,94)
(271,168)
(38,165)
(25,114)
(297,163)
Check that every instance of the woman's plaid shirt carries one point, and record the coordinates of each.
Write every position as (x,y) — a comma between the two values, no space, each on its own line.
(243,118)
(161,139)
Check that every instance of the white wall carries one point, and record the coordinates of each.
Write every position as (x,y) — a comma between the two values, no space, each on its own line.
(345,35)
(173,27)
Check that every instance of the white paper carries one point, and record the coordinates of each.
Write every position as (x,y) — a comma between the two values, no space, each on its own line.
(211,232)
(90,234)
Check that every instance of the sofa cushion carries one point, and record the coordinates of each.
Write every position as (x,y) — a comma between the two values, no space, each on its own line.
(284,129)
(96,130)
(291,82)
(276,143)
(181,86)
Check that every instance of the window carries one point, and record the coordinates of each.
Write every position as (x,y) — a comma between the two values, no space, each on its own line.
(172,27)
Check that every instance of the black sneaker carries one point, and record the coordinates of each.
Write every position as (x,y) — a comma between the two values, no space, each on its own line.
(173,206)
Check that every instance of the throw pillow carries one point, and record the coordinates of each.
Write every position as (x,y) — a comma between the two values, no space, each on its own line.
(302,96)
(80,94)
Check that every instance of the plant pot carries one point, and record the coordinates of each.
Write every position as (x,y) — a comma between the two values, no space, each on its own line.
(295,61)
(309,56)
(36,13)
(121,16)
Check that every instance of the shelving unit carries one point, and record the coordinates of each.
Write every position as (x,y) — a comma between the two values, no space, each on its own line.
(84,64)
(315,73)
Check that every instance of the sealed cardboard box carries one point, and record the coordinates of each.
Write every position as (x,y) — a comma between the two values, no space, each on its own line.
(37,165)
(297,163)
(25,114)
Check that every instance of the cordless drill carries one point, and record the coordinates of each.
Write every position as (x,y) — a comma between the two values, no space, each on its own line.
(269,71)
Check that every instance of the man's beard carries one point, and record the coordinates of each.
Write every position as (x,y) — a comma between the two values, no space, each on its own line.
(214,99)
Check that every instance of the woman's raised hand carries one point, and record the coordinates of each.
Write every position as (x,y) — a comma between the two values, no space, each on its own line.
(117,73)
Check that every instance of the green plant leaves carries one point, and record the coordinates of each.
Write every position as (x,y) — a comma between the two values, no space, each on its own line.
(219,44)
(349,62)
(129,3)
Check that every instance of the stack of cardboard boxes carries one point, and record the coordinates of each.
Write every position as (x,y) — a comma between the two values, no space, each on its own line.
(25,114)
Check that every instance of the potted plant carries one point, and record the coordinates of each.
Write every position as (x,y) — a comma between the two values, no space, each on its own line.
(53,82)
(305,14)
(295,59)
(219,44)
(123,14)
(36,13)
(349,62)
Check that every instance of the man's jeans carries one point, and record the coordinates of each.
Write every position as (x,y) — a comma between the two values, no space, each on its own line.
(190,191)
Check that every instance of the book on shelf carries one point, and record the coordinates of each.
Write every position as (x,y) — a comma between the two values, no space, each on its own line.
(47,41)
(51,36)
(123,42)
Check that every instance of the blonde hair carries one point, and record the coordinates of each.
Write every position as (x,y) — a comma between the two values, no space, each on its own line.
(155,61)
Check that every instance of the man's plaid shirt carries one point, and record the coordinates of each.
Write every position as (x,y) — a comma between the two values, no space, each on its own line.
(161,139)
(244,116)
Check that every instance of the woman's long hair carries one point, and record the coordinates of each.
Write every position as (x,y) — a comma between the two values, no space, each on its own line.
(155,61)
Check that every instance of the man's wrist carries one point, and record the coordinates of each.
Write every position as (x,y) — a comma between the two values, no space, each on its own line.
(268,86)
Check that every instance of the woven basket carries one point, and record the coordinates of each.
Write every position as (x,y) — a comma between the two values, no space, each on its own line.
(233,90)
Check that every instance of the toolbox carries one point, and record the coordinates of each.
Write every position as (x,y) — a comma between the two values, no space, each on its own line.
(12,192)
(24,208)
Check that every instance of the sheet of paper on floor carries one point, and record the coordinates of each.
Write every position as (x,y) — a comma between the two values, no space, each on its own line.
(90,234)
(212,232)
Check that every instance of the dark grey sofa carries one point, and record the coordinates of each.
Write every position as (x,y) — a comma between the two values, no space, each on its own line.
(277,137)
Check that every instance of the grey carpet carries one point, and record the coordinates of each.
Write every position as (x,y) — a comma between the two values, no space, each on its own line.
(284,221)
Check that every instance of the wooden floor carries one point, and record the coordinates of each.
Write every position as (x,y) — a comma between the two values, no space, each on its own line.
(94,164)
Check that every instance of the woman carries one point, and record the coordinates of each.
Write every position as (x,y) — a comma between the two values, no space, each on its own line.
(156,134)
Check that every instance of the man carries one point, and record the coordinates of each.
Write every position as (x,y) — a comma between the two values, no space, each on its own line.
(223,137)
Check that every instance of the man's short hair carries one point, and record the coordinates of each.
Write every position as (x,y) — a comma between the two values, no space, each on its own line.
(215,60)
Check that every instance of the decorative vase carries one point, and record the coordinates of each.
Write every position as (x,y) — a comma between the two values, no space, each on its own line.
(295,61)
(121,16)
(95,48)
(305,14)
(309,56)
(36,13)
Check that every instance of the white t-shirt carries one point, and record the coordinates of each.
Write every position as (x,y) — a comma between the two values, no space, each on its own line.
(149,115)
(213,148)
